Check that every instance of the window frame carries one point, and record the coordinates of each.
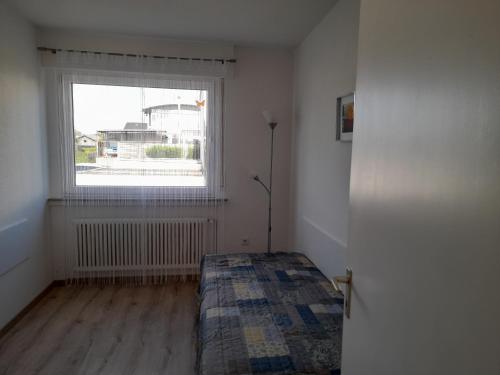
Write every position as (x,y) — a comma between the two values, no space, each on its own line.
(213,188)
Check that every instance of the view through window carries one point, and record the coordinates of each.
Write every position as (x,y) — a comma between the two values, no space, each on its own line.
(139,136)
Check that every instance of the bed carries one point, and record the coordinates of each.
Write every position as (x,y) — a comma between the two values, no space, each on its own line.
(268,314)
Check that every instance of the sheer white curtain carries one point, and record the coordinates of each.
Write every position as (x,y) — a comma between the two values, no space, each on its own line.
(140,145)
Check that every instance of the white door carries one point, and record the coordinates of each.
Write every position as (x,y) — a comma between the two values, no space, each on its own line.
(425,190)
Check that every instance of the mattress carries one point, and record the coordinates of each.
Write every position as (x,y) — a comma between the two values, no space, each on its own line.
(268,314)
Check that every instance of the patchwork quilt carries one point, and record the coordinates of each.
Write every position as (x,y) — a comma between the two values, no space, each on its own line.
(268,314)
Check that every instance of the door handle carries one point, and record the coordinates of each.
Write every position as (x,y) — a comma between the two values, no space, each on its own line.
(347,281)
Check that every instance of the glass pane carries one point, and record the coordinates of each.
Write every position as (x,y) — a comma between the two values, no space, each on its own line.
(139,136)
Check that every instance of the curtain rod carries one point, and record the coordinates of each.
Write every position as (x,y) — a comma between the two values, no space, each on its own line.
(55,50)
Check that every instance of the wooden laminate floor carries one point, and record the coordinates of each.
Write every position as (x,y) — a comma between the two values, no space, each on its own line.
(110,330)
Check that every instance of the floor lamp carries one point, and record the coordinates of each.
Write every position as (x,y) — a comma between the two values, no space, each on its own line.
(269,189)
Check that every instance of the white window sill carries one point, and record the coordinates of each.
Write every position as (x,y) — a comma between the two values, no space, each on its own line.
(89,202)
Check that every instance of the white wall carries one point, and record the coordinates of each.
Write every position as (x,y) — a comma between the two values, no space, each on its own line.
(23,185)
(262,80)
(325,68)
(118,43)
(425,190)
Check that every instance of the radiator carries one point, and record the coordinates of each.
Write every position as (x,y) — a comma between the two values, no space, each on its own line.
(139,248)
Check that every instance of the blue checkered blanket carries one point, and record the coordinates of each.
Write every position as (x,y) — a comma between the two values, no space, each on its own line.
(268,314)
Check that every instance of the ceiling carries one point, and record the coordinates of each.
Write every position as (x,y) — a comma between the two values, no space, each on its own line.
(246,22)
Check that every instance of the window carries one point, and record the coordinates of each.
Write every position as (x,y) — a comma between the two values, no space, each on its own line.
(126,136)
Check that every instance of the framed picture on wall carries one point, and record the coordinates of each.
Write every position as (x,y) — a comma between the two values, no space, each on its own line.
(345,118)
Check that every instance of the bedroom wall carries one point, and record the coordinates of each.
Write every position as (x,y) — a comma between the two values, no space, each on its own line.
(119,43)
(25,270)
(262,80)
(325,68)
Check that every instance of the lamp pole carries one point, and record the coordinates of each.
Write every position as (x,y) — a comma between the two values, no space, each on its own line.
(272,125)
(269,189)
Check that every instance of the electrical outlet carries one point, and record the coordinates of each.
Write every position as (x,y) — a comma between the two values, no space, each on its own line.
(245,242)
